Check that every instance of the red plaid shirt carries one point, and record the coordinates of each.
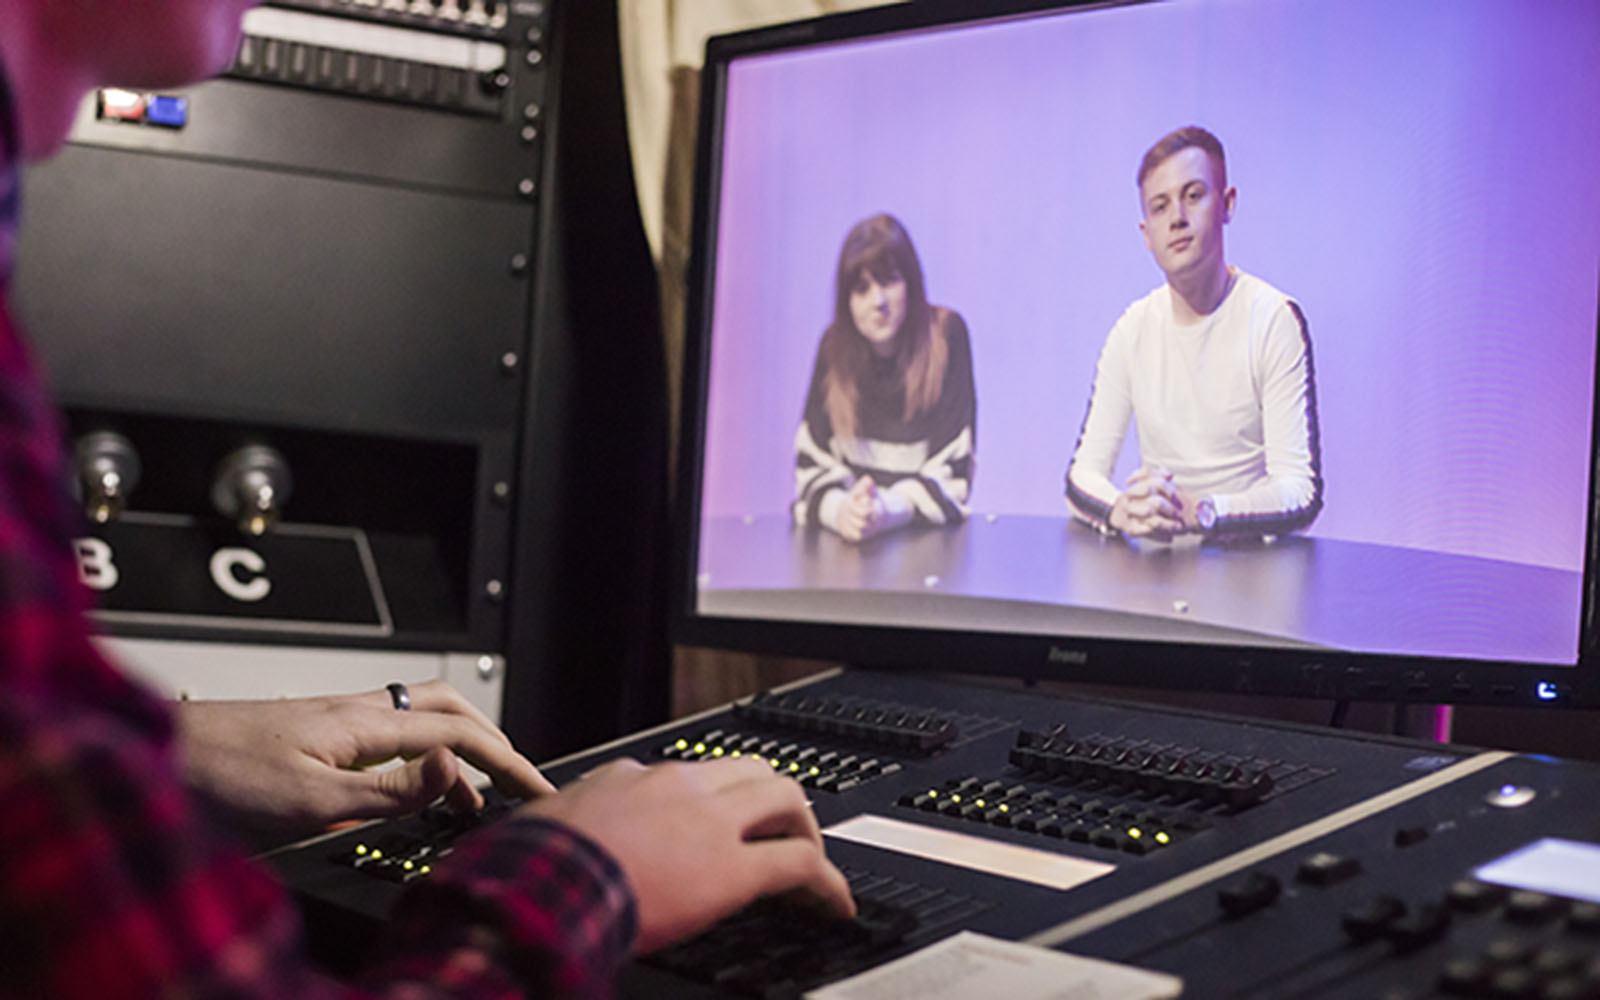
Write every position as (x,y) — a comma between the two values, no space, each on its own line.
(111,885)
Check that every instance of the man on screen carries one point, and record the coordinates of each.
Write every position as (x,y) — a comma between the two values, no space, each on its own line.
(1214,365)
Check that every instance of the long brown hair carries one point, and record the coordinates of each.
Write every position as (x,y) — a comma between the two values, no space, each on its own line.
(880,246)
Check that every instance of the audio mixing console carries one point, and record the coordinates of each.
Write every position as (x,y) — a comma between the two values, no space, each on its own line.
(1247,858)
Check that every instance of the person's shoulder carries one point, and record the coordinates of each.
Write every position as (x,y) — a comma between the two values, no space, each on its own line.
(1261,296)
(949,322)
(1153,305)
(949,326)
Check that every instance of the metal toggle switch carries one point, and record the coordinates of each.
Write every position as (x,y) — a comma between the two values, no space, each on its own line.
(108,470)
(252,486)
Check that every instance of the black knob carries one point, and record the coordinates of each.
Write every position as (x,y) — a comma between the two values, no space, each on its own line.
(1249,893)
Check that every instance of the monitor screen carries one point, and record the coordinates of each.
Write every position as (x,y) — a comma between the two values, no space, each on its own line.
(1241,344)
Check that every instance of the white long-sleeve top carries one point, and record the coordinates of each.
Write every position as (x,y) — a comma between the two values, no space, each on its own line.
(1228,405)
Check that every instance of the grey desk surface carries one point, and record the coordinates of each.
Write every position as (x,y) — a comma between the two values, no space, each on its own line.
(1052,576)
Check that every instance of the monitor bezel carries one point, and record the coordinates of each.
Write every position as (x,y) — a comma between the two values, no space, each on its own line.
(1127,663)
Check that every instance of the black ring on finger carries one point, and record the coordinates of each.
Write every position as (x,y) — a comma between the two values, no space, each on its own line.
(399,696)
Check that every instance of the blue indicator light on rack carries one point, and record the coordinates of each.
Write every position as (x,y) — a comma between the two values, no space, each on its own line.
(172,112)
(1547,691)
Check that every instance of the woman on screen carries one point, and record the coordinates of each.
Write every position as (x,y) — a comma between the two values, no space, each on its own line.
(890,420)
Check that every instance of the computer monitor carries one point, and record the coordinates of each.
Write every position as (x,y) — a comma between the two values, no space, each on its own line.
(1327,399)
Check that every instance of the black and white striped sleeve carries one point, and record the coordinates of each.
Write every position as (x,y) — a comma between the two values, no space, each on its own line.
(1290,497)
(817,469)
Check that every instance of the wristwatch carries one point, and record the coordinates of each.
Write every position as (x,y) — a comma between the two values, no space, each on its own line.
(1205,514)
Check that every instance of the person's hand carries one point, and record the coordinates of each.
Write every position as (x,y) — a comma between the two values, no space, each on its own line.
(863,512)
(294,765)
(699,841)
(1151,506)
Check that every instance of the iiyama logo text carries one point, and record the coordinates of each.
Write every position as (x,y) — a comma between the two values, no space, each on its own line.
(1076,657)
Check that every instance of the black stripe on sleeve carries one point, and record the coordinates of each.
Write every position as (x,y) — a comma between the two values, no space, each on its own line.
(1283,522)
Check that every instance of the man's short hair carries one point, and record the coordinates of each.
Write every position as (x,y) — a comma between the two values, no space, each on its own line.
(1180,139)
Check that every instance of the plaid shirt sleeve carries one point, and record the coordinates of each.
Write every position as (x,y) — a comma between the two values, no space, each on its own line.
(112,887)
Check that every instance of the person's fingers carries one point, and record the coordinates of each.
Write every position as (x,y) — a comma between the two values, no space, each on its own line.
(1154,507)
(613,769)
(383,734)
(394,791)
(866,485)
(1140,508)
(875,511)
(464,798)
(791,864)
(440,696)
(771,806)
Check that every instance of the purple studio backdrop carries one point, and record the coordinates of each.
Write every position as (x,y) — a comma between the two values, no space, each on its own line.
(1419,175)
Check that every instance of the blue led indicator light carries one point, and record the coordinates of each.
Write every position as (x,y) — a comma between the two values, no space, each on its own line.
(1546,691)
(173,112)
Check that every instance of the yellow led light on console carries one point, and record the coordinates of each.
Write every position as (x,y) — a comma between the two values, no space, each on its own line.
(717,751)
(699,748)
(1162,838)
(682,744)
(1135,832)
(361,848)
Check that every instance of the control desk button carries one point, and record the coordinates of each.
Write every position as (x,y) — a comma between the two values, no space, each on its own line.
(1569,988)
(1514,982)
(1507,951)
(1584,918)
(1422,926)
(1554,960)
(1528,907)
(1326,869)
(1251,892)
(1463,976)
(1471,896)
(1510,796)
(1367,921)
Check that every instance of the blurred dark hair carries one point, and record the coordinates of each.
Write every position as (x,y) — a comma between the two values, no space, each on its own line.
(880,247)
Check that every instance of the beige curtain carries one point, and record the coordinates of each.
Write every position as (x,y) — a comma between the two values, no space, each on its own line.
(663,44)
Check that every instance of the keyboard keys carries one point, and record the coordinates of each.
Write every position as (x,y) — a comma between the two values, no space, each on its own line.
(780,949)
